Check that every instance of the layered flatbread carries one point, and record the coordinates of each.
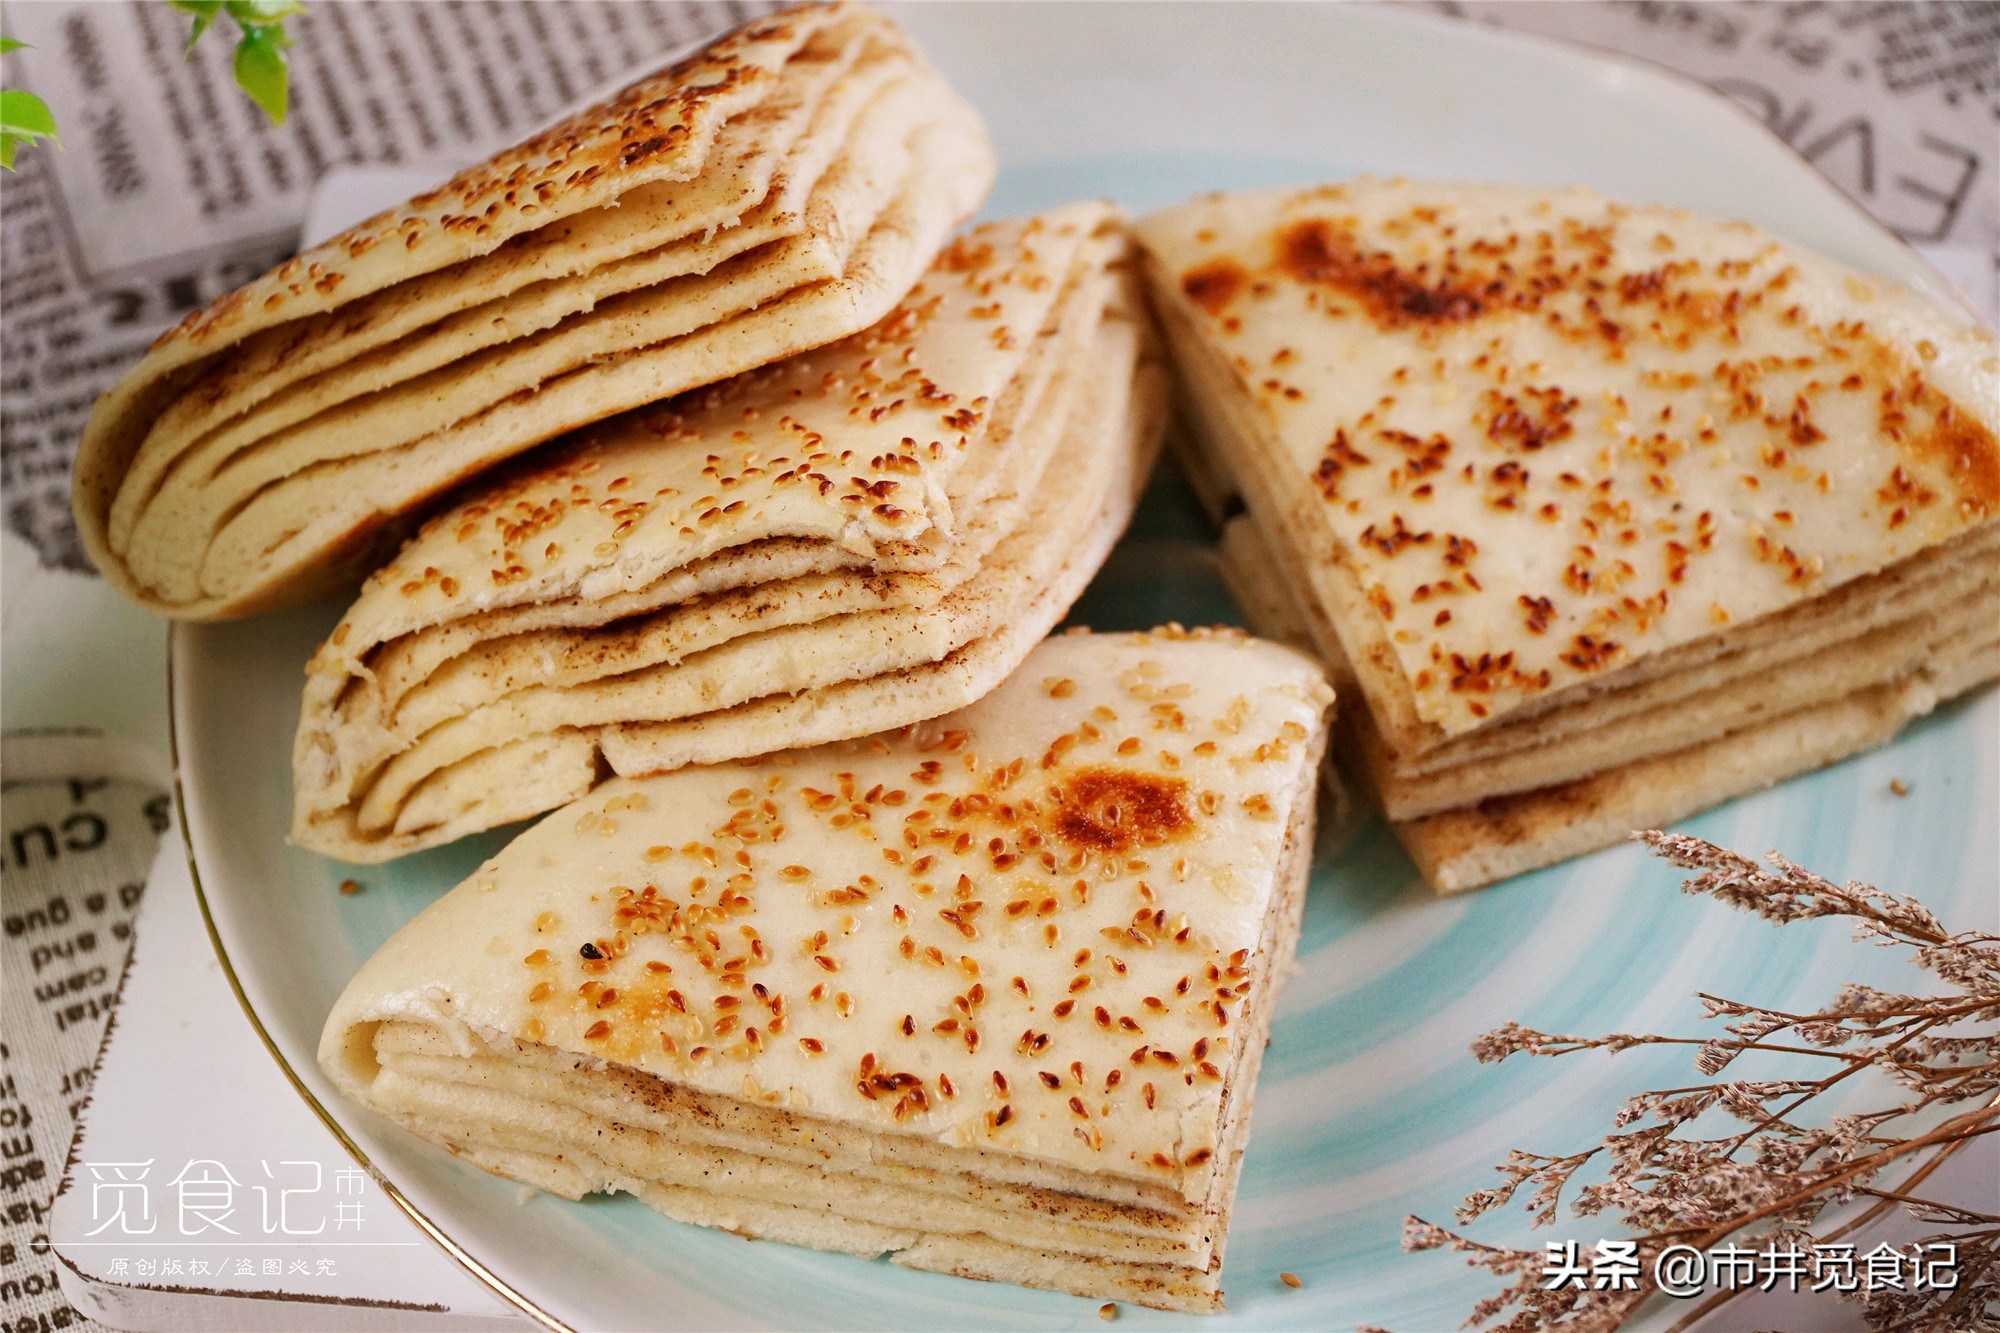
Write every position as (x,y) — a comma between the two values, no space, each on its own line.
(854,540)
(986,995)
(779,190)
(1607,512)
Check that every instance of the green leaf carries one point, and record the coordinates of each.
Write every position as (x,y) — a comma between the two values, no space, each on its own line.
(25,114)
(11,44)
(24,118)
(261,71)
(204,12)
(261,13)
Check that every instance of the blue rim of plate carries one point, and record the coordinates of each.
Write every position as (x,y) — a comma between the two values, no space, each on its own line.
(527,1307)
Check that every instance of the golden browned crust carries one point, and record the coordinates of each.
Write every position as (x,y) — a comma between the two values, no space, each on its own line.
(1531,442)
(656,129)
(722,119)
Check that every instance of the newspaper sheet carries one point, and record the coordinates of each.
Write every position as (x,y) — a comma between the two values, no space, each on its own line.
(76,842)
(1895,102)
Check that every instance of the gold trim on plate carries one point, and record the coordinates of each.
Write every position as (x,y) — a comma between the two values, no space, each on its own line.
(437,1235)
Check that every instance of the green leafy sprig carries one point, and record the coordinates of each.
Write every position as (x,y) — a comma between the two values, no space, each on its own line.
(24,117)
(260,66)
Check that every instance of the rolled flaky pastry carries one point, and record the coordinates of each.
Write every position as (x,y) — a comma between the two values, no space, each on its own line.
(1609,513)
(987,994)
(837,545)
(781,189)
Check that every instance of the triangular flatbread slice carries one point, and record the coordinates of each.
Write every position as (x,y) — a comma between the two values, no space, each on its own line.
(1561,484)
(987,994)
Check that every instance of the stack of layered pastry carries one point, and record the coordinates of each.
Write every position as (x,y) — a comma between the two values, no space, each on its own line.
(779,190)
(1609,513)
(845,542)
(987,994)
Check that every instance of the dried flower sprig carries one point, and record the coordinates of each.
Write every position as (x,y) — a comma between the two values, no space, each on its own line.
(1770,1173)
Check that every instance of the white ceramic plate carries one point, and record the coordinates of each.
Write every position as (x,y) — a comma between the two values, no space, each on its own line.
(1370,1105)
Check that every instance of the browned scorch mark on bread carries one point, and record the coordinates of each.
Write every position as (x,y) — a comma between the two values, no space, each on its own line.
(1213,285)
(1316,250)
(1113,810)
